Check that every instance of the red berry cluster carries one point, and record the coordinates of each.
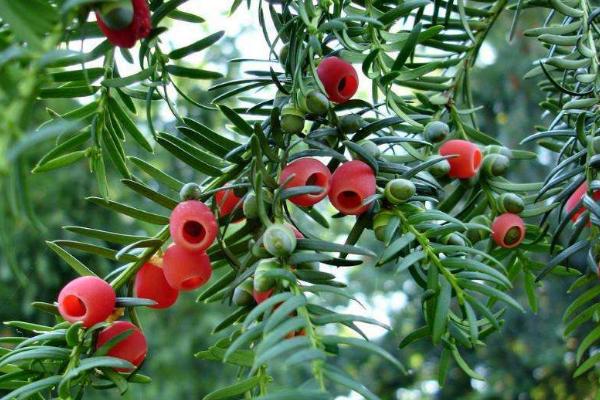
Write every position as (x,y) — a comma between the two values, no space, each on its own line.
(349,186)
(184,266)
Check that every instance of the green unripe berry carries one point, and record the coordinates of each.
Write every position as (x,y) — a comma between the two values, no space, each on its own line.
(242,295)
(262,282)
(495,149)
(440,168)
(279,240)
(380,222)
(317,103)
(510,202)
(399,190)
(495,164)
(250,206)
(436,131)
(478,234)
(116,15)
(284,53)
(350,123)
(292,120)
(190,191)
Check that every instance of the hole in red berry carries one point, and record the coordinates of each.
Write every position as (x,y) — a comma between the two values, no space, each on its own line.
(317,179)
(476,159)
(347,86)
(193,232)
(349,200)
(74,306)
(192,283)
(513,235)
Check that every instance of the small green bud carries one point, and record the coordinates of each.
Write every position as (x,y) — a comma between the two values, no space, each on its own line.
(279,240)
(380,222)
(495,164)
(399,190)
(116,15)
(510,202)
(292,120)
(440,168)
(190,191)
(242,295)
(317,103)
(262,283)
(250,206)
(436,131)
(350,123)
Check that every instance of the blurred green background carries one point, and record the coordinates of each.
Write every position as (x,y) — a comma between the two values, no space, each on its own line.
(527,360)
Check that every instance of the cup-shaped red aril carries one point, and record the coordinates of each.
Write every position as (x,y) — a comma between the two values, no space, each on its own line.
(306,172)
(508,230)
(575,199)
(227,202)
(259,297)
(467,161)
(150,283)
(193,225)
(88,299)
(140,26)
(186,269)
(351,184)
(339,78)
(132,347)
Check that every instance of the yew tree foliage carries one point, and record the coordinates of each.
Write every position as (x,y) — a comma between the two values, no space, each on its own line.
(417,56)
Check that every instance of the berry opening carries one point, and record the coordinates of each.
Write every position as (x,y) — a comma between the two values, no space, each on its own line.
(194,232)
(349,200)
(192,283)
(316,179)
(477,159)
(74,306)
(346,85)
(513,235)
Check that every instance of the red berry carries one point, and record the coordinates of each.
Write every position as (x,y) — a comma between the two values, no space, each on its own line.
(259,297)
(339,79)
(88,299)
(307,172)
(150,283)
(575,198)
(508,230)
(193,225)
(468,159)
(132,348)
(184,269)
(140,26)
(227,202)
(351,184)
